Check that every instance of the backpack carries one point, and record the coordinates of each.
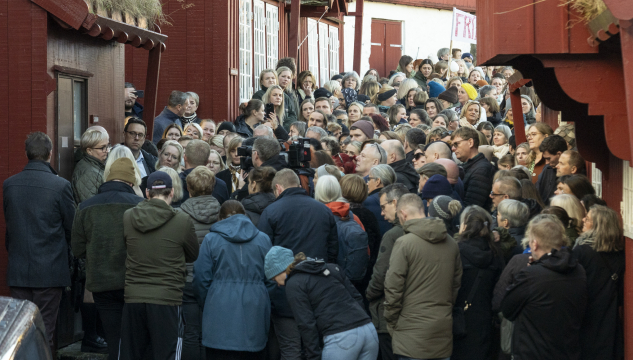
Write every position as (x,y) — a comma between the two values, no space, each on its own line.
(352,247)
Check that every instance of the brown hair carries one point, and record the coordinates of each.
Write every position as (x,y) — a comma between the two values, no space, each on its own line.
(263,176)
(171,126)
(606,231)
(467,133)
(301,77)
(354,188)
(298,258)
(544,129)
(230,208)
(200,181)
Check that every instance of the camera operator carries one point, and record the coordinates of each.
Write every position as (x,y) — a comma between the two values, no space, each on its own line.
(265,151)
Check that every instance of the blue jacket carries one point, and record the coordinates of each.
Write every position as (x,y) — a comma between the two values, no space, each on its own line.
(301,224)
(229,283)
(372,203)
(38,211)
(166,118)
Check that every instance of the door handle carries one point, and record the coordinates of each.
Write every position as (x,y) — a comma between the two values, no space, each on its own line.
(394,45)
(376,44)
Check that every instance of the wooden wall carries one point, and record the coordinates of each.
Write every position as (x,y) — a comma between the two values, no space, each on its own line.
(197,57)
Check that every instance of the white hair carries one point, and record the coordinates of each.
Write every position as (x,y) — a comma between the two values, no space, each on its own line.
(328,190)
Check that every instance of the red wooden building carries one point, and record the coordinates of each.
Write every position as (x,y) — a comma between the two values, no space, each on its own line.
(584,71)
(219,51)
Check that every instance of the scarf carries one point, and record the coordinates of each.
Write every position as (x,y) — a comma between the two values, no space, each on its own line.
(235,173)
(188,119)
(584,239)
(464,123)
(499,151)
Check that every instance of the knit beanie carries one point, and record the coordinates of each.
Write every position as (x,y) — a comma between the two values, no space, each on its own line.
(435,89)
(435,186)
(470,90)
(277,261)
(122,169)
(481,83)
(449,95)
(226,125)
(366,127)
(439,207)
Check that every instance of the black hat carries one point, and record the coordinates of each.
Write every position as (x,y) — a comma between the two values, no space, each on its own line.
(387,94)
(336,77)
(159,180)
(363,98)
(322,92)
(227,125)
(449,95)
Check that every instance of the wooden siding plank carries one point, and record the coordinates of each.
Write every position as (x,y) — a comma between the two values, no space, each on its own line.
(4,130)
(550,28)
(515,33)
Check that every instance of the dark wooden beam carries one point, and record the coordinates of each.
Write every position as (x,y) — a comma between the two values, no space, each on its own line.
(294,32)
(358,35)
(72,12)
(151,88)
(517,115)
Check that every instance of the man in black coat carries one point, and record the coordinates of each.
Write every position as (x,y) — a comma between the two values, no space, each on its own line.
(197,154)
(552,148)
(479,172)
(405,173)
(98,237)
(38,210)
(547,300)
(134,134)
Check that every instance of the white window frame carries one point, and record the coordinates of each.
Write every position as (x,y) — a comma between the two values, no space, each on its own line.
(626,206)
(324,53)
(246,51)
(259,41)
(596,179)
(272,35)
(313,48)
(334,48)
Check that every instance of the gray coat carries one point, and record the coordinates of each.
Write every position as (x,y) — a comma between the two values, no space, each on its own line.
(203,211)
(38,211)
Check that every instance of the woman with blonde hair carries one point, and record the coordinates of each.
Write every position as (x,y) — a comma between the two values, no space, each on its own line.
(231,175)
(118,152)
(194,130)
(521,154)
(574,209)
(216,164)
(600,250)
(176,184)
(454,81)
(88,172)
(463,71)
(354,113)
(284,79)
(471,114)
(275,95)
(369,89)
(267,78)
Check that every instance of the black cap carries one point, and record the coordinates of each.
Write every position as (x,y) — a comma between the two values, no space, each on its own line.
(159,180)
(322,92)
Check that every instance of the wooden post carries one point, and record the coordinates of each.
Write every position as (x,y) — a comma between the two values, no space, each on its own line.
(517,115)
(151,88)
(294,32)
(450,57)
(358,35)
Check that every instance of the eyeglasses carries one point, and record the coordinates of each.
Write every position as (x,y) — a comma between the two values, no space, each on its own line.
(446,133)
(104,148)
(382,206)
(418,156)
(531,135)
(493,194)
(136,135)
(457,143)
(378,149)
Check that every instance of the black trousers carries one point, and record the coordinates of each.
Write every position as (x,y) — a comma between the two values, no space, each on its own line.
(192,348)
(110,307)
(386,351)
(158,326)
(47,301)
(217,354)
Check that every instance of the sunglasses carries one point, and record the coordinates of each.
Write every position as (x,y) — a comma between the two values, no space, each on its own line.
(418,156)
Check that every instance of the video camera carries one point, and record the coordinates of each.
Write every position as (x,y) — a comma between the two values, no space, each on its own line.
(297,156)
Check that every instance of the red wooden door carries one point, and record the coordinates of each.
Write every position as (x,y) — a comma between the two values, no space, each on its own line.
(386,46)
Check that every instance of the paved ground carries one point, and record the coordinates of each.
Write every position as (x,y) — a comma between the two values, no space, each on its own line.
(73,352)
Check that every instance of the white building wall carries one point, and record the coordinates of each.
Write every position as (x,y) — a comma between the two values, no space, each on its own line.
(424,31)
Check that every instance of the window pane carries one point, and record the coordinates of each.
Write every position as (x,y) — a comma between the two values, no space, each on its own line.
(78,110)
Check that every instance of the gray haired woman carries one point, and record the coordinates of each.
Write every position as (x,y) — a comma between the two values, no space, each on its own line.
(379,176)
(88,173)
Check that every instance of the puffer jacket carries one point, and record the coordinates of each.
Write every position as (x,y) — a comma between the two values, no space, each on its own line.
(203,211)
(479,173)
(421,286)
(87,177)
(376,290)
(229,284)
(255,204)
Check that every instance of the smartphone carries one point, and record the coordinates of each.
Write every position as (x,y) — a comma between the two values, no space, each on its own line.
(268,108)
(140,93)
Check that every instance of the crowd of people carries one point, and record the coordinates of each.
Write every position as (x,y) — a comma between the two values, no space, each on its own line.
(414,226)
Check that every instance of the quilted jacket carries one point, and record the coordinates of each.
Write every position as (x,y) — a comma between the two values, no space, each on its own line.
(87,177)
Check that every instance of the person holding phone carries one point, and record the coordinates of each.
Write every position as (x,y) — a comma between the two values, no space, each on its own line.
(132,107)
(275,112)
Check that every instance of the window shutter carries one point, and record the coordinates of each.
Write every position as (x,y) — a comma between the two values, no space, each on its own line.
(259,41)
(334,45)
(272,35)
(313,49)
(246,50)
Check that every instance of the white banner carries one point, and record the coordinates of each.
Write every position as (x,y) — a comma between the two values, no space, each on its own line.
(464,27)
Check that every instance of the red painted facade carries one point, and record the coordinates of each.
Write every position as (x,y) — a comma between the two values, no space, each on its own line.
(589,80)
(464,5)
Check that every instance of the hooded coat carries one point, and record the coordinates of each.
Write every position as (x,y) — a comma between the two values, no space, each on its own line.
(478,260)
(87,177)
(324,302)
(159,242)
(229,284)
(406,174)
(203,211)
(547,301)
(421,287)
(254,204)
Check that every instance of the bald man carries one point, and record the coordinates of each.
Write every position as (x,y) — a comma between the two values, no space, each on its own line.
(405,172)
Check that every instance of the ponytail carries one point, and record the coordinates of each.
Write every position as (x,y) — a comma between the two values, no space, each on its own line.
(246,109)
(454,207)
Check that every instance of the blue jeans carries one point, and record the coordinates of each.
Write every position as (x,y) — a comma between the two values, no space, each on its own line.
(360,343)
(408,358)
